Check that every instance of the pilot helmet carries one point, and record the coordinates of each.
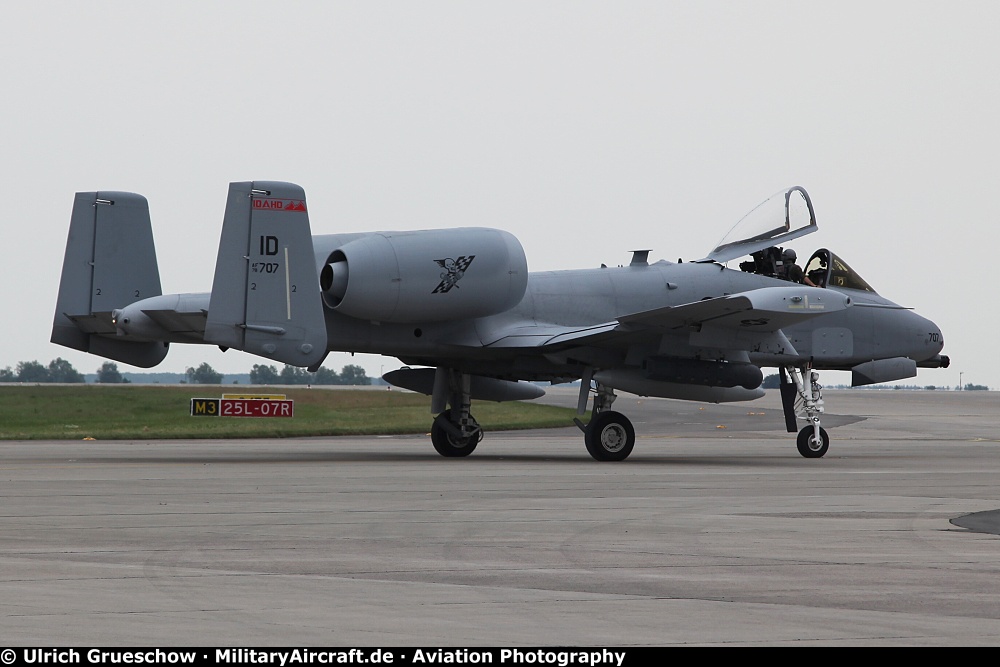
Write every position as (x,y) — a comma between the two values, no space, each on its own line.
(788,255)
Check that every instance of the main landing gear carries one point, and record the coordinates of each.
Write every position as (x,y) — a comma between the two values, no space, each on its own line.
(455,432)
(802,398)
(609,435)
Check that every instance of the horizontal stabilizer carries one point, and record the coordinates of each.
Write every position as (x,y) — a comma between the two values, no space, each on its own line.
(266,296)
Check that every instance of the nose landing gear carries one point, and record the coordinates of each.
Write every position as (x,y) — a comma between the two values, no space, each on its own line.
(802,398)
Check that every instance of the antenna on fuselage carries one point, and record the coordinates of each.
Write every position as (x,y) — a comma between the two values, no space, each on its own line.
(640,258)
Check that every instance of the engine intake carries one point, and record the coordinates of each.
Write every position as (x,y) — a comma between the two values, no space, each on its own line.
(426,276)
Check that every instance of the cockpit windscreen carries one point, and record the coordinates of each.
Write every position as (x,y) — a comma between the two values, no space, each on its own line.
(825,269)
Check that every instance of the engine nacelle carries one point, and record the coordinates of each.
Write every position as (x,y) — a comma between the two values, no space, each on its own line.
(426,276)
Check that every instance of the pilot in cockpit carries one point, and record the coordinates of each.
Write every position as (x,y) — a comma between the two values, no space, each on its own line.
(793,271)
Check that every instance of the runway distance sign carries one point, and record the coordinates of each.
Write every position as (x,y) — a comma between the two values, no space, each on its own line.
(243,406)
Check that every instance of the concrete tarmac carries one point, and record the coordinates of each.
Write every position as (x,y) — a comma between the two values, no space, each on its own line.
(714,532)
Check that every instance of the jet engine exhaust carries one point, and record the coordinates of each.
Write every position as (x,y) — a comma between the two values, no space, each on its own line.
(334,278)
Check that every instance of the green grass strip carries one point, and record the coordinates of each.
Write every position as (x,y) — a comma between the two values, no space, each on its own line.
(104,412)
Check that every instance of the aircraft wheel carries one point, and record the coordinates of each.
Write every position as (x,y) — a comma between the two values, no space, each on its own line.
(610,436)
(448,445)
(809,446)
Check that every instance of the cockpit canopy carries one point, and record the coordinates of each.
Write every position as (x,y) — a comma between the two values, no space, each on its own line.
(783,217)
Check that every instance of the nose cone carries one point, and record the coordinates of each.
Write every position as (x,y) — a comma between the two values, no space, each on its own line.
(903,333)
(928,337)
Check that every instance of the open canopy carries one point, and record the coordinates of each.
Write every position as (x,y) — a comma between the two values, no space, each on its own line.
(785,216)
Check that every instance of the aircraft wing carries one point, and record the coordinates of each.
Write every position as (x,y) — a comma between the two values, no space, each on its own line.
(535,336)
(746,320)
(765,309)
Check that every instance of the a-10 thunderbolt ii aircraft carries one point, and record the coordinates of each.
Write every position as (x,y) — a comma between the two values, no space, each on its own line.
(461,305)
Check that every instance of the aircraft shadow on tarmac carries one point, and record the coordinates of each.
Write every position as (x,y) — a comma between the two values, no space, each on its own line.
(980,522)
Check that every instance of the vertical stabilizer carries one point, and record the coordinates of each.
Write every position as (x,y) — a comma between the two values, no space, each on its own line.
(110,262)
(265,297)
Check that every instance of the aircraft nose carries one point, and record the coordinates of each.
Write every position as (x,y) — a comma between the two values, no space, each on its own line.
(931,336)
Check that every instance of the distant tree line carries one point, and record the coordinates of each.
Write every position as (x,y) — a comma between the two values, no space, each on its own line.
(61,371)
(58,370)
(774,381)
(350,374)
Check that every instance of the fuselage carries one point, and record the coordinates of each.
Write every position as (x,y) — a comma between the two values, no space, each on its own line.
(872,328)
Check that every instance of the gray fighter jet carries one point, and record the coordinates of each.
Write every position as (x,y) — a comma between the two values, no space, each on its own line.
(459,307)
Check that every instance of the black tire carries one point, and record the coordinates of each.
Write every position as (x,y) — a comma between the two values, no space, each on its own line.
(808,445)
(610,436)
(448,445)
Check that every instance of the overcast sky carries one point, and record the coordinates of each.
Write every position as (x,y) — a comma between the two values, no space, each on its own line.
(587,129)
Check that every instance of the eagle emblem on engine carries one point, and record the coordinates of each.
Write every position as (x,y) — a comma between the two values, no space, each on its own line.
(454,269)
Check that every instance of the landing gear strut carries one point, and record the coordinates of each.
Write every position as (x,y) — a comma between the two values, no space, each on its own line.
(609,435)
(455,432)
(802,397)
